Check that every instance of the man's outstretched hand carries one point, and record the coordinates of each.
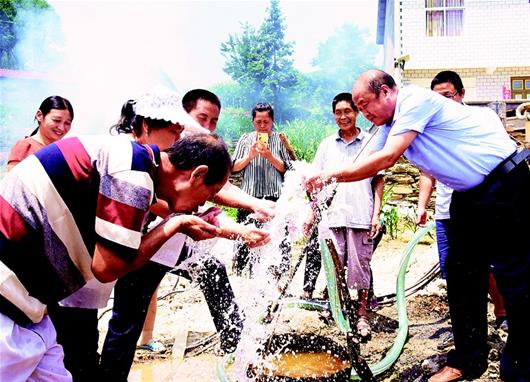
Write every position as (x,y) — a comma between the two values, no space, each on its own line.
(264,211)
(254,237)
(315,183)
(196,228)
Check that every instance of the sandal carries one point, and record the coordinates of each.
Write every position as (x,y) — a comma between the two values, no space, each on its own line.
(363,327)
(153,346)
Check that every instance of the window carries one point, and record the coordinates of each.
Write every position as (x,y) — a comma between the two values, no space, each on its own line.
(444,17)
(520,87)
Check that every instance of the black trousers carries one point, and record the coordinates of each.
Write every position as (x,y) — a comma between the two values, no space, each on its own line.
(77,332)
(490,225)
(132,295)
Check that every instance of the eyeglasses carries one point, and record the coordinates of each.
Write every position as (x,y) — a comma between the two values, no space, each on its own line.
(449,95)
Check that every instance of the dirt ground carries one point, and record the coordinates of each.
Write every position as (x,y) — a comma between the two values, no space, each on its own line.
(181,310)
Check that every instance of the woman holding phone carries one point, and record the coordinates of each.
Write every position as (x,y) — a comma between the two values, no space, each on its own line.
(264,159)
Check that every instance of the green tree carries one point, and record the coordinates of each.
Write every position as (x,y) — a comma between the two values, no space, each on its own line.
(244,62)
(342,58)
(280,73)
(230,94)
(11,23)
(260,61)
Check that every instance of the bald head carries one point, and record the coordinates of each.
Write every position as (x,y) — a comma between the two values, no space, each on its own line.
(373,80)
(375,93)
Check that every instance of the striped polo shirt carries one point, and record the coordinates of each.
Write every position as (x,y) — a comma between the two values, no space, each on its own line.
(57,203)
(260,177)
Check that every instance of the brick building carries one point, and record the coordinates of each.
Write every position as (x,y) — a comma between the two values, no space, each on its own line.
(486,41)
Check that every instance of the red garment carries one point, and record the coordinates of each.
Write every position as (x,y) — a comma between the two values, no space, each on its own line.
(496,297)
(22,149)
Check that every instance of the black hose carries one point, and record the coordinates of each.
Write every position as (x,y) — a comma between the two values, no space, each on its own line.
(429,276)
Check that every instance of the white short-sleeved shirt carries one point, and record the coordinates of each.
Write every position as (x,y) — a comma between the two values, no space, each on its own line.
(353,203)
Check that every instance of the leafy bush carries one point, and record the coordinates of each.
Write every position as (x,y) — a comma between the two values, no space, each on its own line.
(229,211)
(389,214)
(233,123)
(305,136)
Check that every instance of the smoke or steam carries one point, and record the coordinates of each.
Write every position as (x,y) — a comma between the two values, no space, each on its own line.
(119,52)
(98,54)
(38,52)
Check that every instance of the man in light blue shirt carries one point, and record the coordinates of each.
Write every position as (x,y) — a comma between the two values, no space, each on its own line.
(464,148)
(449,84)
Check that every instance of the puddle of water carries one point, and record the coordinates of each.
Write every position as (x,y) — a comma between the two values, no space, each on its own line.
(306,365)
(152,371)
(260,291)
(200,368)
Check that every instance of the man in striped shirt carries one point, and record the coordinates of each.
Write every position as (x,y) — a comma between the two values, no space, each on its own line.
(73,211)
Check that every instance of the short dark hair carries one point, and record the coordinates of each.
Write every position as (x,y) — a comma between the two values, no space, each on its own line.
(189,101)
(130,122)
(343,97)
(54,103)
(202,149)
(263,106)
(448,76)
(380,79)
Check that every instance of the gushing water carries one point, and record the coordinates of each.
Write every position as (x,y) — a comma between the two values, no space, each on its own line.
(262,289)
(292,210)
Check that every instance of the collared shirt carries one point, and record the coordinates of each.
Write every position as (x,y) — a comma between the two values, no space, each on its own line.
(458,145)
(57,203)
(353,203)
(443,201)
(260,177)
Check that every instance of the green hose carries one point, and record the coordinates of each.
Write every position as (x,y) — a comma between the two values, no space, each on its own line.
(226,361)
(333,290)
(394,352)
(336,311)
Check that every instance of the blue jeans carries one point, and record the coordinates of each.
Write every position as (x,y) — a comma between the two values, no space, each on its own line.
(132,294)
(443,231)
(77,332)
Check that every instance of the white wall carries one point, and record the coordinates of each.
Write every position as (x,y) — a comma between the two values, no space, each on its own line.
(481,84)
(496,34)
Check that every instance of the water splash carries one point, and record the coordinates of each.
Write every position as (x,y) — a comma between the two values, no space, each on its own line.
(262,289)
(291,212)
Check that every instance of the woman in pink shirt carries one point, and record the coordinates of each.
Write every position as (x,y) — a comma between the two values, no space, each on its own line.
(54,119)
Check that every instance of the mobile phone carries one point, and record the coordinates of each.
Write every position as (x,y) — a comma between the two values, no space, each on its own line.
(263,137)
